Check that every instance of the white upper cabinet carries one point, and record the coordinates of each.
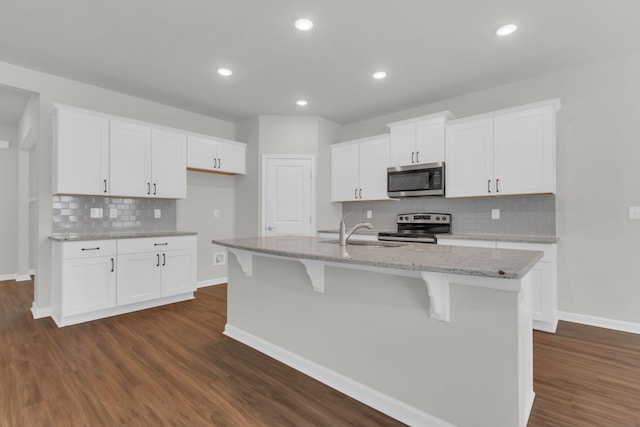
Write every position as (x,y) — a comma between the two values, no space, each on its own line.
(507,152)
(130,159)
(169,164)
(359,169)
(80,153)
(418,140)
(216,155)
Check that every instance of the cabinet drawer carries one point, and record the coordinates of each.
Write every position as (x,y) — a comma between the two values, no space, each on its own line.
(548,249)
(153,244)
(88,249)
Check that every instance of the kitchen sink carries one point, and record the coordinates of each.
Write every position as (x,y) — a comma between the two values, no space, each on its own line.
(370,243)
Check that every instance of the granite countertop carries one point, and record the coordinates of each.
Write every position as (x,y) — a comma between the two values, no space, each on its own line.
(71,237)
(499,263)
(501,238)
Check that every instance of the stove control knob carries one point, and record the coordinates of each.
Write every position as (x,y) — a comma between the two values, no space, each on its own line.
(438,218)
(406,218)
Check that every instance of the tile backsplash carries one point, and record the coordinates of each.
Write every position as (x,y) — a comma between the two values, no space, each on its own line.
(519,215)
(72,214)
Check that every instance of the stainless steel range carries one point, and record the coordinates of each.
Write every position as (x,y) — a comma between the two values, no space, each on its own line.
(419,228)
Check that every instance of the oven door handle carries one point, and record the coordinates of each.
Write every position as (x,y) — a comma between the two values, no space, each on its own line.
(407,239)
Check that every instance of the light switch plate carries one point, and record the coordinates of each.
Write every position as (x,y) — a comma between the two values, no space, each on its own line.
(157,213)
(495,213)
(634,212)
(369,214)
(95,212)
(113,213)
(219,258)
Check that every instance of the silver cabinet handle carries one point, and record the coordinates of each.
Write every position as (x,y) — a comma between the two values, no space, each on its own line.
(219,163)
(158,263)
(154,189)
(161,244)
(489,186)
(497,185)
(412,153)
(105,185)
(113,265)
(360,194)
(215,162)
(148,188)
(355,193)
(91,249)
(164,259)
(417,157)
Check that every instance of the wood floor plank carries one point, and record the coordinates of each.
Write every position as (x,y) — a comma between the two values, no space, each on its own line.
(171,366)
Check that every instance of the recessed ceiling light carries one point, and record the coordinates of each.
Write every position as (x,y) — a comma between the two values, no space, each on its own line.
(505,30)
(303,24)
(379,75)
(301,102)
(225,72)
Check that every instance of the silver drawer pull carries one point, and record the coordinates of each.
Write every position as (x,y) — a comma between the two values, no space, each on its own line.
(91,249)
(160,244)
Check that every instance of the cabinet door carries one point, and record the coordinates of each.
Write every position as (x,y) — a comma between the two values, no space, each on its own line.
(232,157)
(178,272)
(138,277)
(88,284)
(430,141)
(81,153)
(402,144)
(344,172)
(168,164)
(202,153)
(469,159)
(374,161)
(524,146)
(130,159)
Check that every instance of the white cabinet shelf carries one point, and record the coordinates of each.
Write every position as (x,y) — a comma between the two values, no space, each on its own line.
(96,279)
(359,169)
(418,140)
(508,152)
(216,155)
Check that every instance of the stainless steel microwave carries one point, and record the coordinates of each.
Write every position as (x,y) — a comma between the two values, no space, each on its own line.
(426,179)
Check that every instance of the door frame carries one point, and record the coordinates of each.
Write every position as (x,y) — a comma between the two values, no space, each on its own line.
(263,185)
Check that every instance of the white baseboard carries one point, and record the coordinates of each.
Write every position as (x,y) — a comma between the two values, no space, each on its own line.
(39,313)
(600,322)
(211,282)
(23,278)
(4,277)
(367,395)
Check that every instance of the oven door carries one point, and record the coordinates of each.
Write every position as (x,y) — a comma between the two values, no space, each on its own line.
(416,180)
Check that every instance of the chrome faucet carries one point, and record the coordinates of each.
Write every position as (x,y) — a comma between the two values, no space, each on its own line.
(344,236)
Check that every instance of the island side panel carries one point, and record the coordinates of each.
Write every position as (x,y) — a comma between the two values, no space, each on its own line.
(375,329)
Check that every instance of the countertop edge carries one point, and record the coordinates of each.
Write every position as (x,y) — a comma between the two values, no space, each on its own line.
(139,235)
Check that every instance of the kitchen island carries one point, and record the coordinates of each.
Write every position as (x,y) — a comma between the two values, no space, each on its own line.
(431,335)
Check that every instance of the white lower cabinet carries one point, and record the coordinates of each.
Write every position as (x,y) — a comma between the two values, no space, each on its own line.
(544,283)
(96,279)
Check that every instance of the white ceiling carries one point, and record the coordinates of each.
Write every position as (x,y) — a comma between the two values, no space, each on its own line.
(168,50)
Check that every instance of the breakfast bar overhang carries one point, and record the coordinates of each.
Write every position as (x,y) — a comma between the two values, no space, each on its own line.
(419,332)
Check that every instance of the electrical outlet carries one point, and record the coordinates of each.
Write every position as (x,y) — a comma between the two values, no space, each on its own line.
(634,212)
(219,258)
(157,213)
(495,213)
(113,213)
(95,212)
(369,214)
(216,213)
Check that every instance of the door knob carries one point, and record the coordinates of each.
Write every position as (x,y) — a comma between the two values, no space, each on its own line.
(270,228)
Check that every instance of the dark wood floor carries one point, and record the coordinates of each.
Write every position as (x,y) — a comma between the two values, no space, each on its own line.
(172,366)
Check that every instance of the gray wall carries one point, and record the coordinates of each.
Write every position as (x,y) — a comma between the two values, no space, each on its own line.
(598,163)
(9,197)
(56,89)
(247,202)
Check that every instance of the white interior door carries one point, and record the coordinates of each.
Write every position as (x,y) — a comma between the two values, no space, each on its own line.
(288,196)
